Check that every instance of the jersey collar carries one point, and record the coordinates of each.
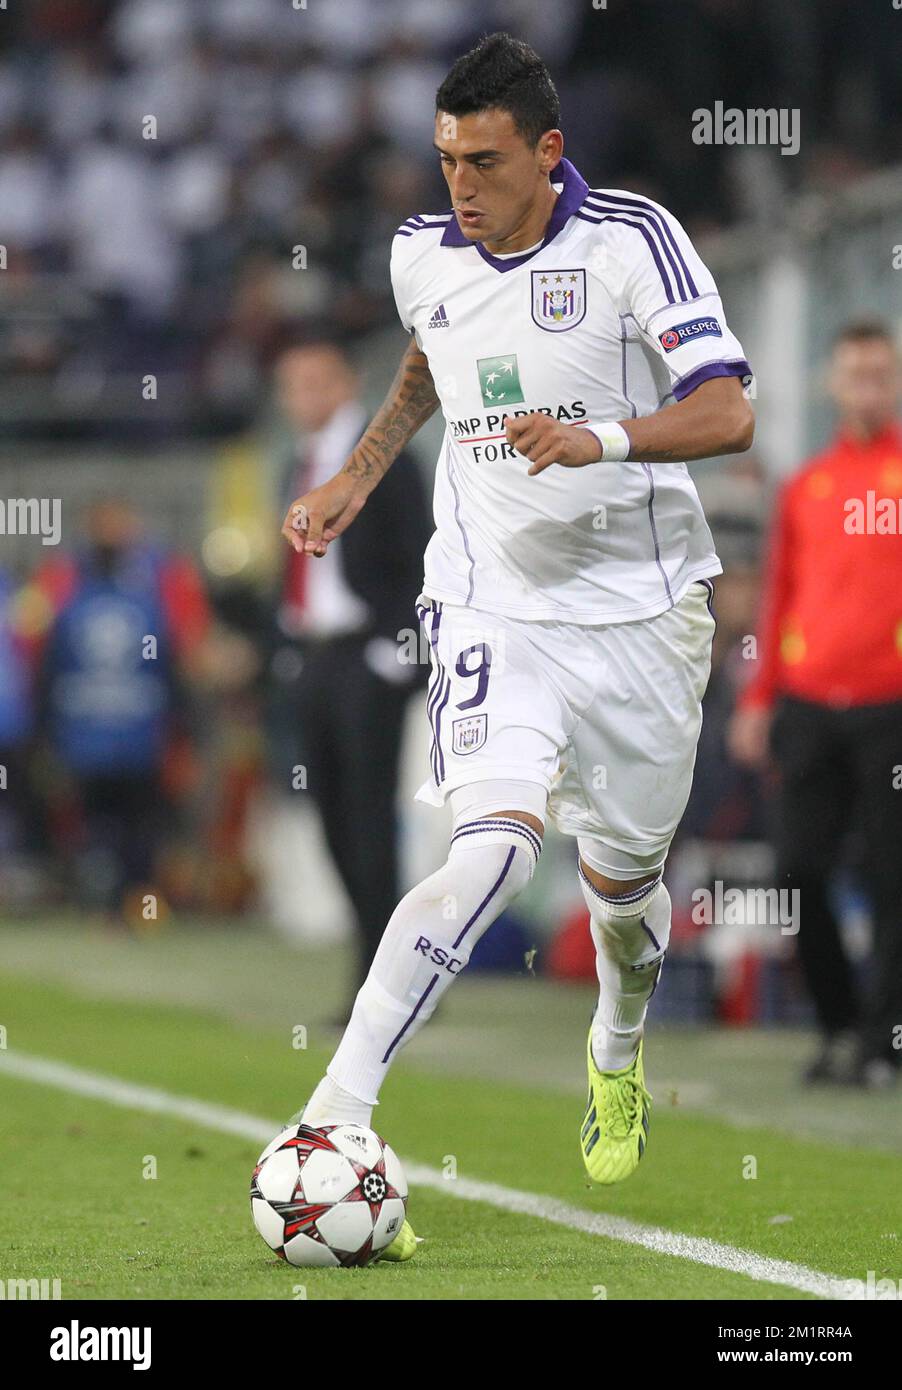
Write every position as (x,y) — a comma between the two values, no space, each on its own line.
(573,189)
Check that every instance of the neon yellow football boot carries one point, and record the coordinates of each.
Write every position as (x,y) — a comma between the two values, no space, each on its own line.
(615,1129)
(403,1247)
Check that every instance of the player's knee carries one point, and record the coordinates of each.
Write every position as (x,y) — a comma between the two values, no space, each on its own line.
(505,822)
(622,906)
(615,871)
(632,928)
(524,817)
(615,888)
(502,851)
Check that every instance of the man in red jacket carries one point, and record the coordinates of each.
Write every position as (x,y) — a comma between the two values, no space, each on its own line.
(826,701)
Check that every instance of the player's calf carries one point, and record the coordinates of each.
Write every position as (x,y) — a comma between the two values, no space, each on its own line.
(631,930)
(630,924)
(426,945)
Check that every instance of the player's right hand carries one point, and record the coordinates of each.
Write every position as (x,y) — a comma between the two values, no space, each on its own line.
(315,519)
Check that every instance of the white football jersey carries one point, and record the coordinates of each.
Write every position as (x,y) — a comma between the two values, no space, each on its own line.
(613,316)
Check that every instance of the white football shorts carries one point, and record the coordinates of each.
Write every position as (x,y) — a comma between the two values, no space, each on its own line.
(605,718)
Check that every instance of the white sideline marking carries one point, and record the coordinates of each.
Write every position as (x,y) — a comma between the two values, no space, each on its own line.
(699,1250)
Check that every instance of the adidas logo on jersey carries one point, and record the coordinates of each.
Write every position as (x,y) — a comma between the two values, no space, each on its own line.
(439,318)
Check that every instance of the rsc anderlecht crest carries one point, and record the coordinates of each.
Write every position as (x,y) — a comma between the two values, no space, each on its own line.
(558,299)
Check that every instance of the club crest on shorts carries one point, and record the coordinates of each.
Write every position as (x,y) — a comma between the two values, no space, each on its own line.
(469,734)
(558,298)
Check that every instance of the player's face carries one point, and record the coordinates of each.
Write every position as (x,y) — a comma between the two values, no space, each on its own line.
(865,383)
(494,177)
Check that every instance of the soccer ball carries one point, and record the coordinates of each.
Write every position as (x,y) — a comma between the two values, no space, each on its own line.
(330,1196)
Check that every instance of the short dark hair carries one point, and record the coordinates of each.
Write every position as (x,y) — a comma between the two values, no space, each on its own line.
(503,72)
(864,330)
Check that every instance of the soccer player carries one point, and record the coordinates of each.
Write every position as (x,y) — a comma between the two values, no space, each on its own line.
(577,348)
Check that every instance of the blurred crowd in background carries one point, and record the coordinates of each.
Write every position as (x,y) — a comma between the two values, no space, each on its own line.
(161,162)
(187,187)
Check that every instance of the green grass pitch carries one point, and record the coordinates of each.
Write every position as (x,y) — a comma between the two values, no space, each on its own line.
(495,1093)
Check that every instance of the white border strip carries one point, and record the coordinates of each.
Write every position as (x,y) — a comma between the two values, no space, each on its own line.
(697,1249)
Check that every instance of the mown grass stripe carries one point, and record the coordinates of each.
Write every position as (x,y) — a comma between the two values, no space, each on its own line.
(45,1071)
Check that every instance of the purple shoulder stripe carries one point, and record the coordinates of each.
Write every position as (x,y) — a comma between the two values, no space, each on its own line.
(418,223)
(601,201)
(651,243)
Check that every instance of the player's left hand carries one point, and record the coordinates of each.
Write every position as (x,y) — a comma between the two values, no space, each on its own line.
(545,441)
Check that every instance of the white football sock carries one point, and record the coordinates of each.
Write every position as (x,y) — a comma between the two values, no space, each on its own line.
(329,1103)
(631,933)
(426,944)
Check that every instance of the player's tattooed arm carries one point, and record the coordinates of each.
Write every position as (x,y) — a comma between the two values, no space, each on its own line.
(410,402)
(315,519)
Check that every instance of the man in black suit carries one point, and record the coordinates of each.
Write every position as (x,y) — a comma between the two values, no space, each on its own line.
(340,617)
